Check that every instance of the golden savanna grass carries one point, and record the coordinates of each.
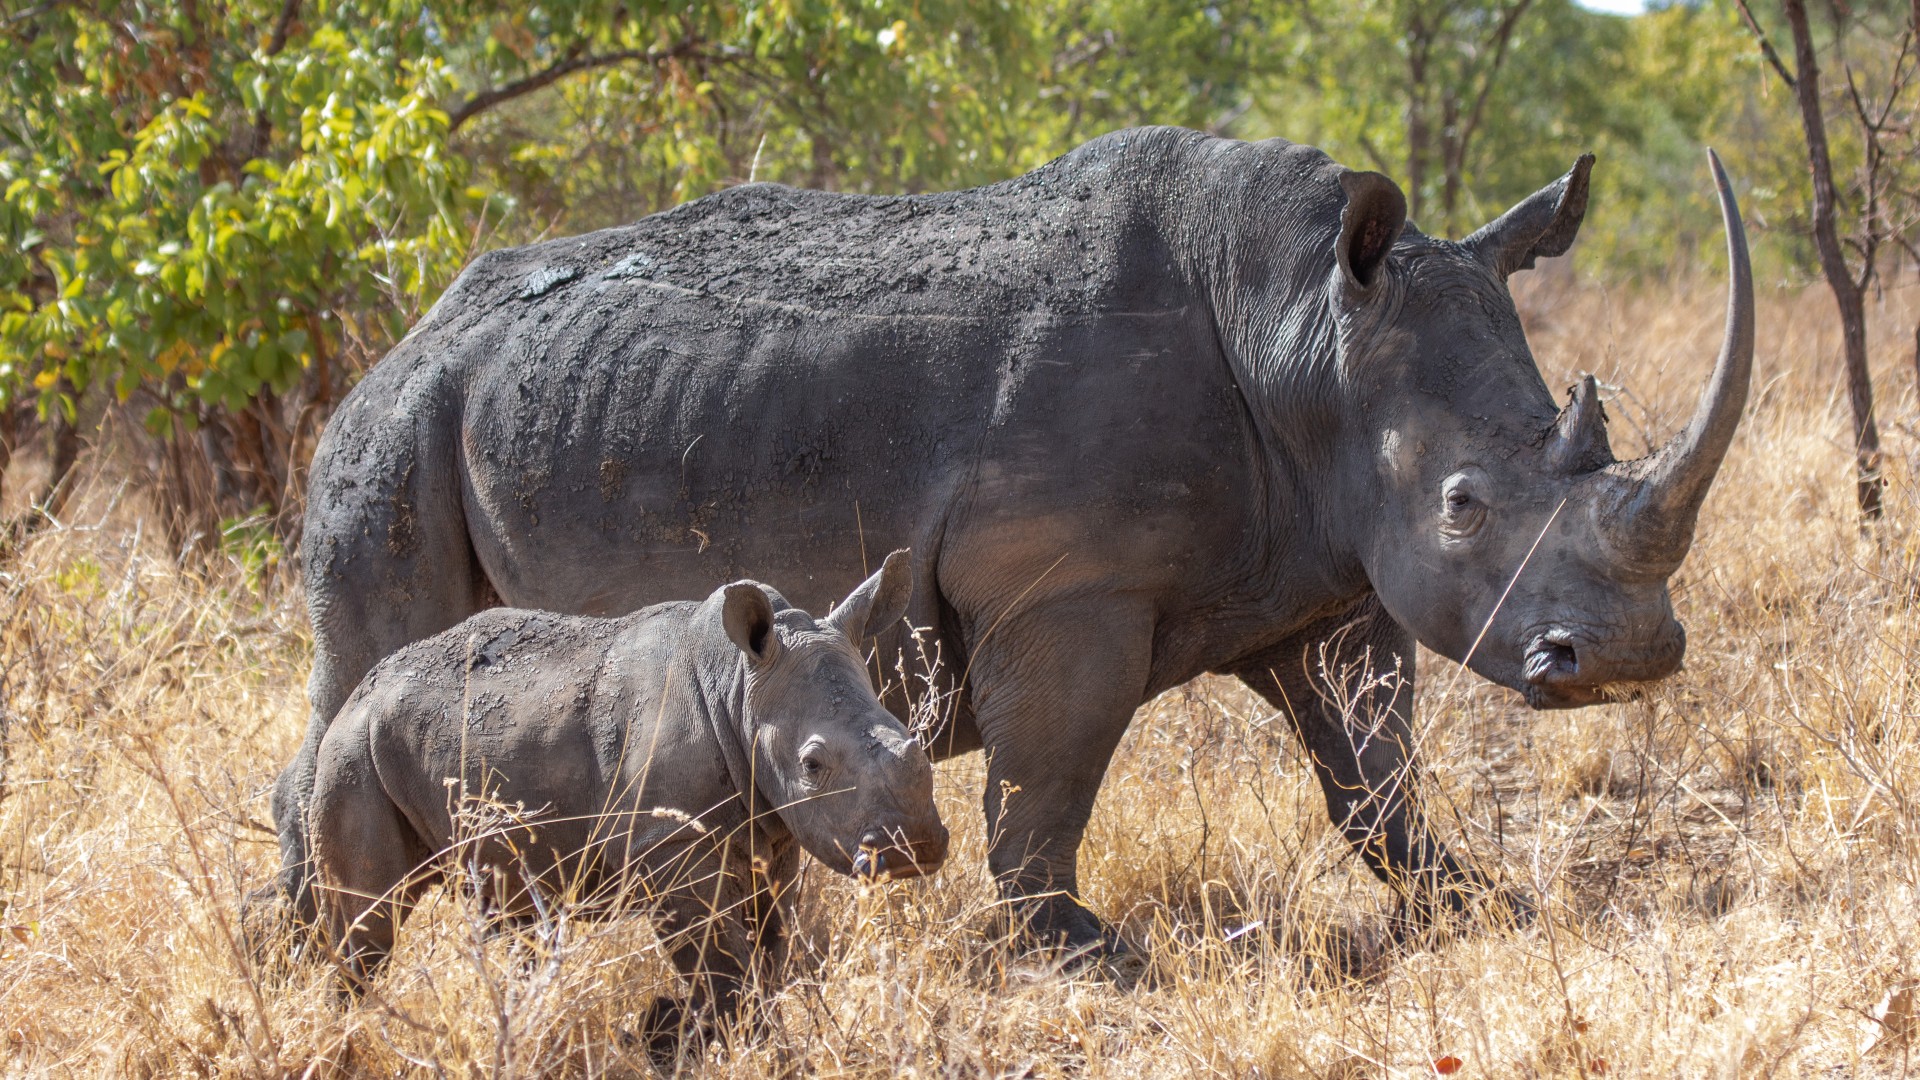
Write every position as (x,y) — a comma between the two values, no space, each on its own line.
(1728,867)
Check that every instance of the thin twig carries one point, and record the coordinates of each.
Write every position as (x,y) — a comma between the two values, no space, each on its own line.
(1766,46)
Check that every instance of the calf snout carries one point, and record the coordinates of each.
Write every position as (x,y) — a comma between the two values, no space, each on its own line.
(900,852)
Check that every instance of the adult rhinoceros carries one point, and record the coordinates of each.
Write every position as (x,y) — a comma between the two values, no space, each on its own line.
(1168,405)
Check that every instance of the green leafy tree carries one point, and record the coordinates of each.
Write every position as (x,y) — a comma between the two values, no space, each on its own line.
(1433,92)
(203,215)
(873,98)
(219,214)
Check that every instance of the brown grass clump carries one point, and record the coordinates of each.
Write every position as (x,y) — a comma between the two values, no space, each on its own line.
(1728,866)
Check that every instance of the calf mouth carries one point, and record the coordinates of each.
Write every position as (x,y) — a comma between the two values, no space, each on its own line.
(899,861)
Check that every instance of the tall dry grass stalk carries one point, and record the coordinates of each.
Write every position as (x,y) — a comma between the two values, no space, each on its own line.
(1728,868)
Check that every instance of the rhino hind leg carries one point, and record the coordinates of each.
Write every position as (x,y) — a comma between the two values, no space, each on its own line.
(1347,685)
(387,561)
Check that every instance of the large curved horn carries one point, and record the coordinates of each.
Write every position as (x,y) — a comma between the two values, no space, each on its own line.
(1657,498)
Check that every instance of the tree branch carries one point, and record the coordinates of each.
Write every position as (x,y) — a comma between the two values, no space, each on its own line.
(283,26)
(1502,37)
(1766,47)
(1373,153)
(570,64)
(262,127)
(38,10)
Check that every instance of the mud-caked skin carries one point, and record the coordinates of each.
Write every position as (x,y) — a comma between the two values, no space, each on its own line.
(1170,404)
(674,760)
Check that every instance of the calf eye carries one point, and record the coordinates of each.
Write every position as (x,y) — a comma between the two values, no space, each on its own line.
(811,766)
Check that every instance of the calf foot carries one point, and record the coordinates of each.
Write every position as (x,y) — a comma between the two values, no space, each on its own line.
(662,1030)
(671,1025)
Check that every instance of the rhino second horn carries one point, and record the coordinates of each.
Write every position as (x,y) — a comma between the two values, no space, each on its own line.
(1656,500)
(1578,443)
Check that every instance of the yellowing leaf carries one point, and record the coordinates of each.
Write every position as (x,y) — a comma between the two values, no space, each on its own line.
(1897,1017)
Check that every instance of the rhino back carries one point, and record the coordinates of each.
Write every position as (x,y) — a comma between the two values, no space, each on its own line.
(542,711)
(768,381)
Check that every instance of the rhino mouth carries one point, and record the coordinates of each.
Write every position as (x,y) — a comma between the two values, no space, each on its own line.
(1552,675)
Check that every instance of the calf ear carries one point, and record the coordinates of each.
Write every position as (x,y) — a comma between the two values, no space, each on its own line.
(1542,226)
(1376,213)
(748,617)
(879,602)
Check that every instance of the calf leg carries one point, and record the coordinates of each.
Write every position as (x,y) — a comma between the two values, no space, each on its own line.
(368,862)
(1347,685)
(710,928)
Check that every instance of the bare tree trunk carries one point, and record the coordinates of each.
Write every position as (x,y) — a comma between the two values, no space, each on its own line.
(65,451)
(9,437)
(1419,133)
(1833,263)
(1458,131)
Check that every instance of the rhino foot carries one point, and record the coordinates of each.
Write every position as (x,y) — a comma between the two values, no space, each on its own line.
(1485,908)
(1058,922)
(269,934)
(1501,909)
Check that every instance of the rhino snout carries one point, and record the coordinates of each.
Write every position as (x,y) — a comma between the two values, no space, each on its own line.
(901,853)
(1564,668)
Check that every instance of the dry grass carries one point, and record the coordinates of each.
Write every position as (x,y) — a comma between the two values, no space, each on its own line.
(1730,867)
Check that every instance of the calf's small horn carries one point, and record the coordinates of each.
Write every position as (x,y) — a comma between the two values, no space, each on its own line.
(1654,502)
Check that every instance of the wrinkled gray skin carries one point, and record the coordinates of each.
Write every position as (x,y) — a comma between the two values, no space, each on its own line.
(1168,405)
(672,758)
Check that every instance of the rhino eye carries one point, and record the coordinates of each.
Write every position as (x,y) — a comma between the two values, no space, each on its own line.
(1461,510)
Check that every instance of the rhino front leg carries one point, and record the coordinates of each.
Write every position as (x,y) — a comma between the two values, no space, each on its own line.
(1347,685)
(1053,690)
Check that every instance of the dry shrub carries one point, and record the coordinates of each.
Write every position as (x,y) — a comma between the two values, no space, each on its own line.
(1728,867)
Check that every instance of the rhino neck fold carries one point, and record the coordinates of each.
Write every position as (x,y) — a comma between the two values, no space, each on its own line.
(1256,238)
(724,704)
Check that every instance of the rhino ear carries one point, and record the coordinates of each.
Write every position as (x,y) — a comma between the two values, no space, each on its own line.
(748,617)
(1542,226)
(1376,212)
(879,602)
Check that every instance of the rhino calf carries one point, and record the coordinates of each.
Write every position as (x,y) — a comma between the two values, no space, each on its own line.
(669,759)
